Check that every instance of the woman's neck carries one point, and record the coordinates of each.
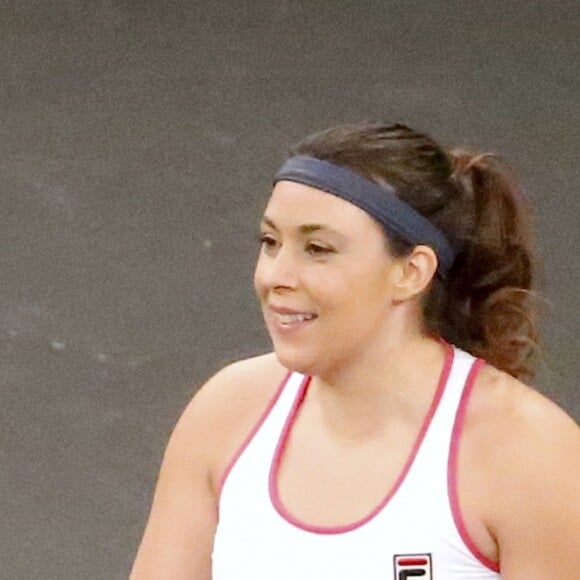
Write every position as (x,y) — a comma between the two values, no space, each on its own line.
(397,382)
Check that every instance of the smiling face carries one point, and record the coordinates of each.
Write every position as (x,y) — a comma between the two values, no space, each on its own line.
(324,278)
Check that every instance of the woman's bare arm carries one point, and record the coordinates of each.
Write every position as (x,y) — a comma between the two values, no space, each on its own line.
(178,539)
(539,522)
(526,459)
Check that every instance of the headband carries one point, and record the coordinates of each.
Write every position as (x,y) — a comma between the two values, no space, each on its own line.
(380,202)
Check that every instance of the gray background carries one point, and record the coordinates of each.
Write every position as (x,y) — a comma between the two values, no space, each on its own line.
(137,144)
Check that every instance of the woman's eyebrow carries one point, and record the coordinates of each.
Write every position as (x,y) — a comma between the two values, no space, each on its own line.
(309,228)
(268,222)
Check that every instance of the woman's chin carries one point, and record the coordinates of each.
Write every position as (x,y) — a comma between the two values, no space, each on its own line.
(296,361)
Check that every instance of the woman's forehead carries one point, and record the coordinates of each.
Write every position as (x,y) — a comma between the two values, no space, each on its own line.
(295,205)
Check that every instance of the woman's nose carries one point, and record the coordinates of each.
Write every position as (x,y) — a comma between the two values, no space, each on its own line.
(279,270)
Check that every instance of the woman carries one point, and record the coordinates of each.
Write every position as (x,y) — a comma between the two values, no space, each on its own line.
(370,444)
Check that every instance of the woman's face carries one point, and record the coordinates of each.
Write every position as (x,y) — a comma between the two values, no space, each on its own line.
(323,278)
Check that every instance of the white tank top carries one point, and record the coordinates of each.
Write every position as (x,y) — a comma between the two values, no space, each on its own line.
(416,531)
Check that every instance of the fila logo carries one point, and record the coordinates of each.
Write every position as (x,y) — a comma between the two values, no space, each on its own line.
(413,566)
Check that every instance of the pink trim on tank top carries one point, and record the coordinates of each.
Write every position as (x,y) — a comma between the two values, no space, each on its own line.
(251,434)
(452,470)
(341,529)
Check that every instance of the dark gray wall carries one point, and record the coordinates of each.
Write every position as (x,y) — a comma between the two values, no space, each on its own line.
(137,143)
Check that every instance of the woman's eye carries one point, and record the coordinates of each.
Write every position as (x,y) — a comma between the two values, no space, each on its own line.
(267,241)
(318,250)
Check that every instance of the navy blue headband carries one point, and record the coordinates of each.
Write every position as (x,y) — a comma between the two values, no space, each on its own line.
(379,202)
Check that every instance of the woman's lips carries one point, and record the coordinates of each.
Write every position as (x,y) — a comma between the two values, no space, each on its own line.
(286,319)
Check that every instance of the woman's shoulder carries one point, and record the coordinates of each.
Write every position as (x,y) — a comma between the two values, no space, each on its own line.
(225,409)
(516,423)
(524,448)
(241,384)
(516,410)
(238,389)
(519,472)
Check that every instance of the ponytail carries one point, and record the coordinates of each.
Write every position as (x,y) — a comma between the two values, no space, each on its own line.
(488,306)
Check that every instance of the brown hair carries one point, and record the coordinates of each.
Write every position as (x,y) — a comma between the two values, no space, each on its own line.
(485,305)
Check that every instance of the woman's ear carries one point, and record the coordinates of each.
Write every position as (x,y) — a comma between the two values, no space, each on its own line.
(415,272)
